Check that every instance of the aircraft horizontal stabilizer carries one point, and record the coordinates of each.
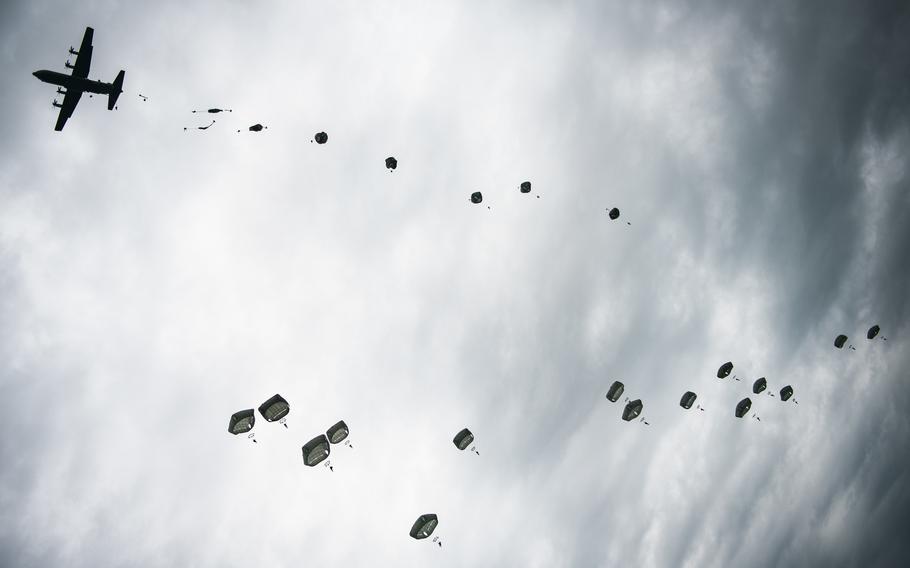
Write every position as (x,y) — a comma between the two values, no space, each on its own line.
(116,89)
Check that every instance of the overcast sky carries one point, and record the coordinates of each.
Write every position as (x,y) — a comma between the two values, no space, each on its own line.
(153,281)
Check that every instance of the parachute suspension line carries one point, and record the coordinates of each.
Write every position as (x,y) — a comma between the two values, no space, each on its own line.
(474,449)
(438,541)
(253,437)
(284,422)
(349,444)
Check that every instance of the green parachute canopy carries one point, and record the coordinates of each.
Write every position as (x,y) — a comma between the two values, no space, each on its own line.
(786,393)
(840,340)
(688,400)
(391,163)
(743,407)
(873,331)
(321,137)
(632,410)
(724,370)
(525,187)
(337,433)
(476,197)
(316,450)
(424,526)
(463,439)
(274,408)
(759,385)
(615,391)
(614,214)
(242,422)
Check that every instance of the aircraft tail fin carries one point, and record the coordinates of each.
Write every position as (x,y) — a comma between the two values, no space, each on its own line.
(116,89)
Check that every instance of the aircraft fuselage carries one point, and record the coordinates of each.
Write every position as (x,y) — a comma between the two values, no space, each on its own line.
(74,83)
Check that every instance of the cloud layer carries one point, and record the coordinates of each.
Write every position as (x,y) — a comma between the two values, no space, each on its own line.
(154,281)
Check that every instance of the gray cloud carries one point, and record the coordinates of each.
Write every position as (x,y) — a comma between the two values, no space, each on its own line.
(155,281)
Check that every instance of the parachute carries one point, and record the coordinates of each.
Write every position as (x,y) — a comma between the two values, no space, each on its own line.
(463,439)
(256,128)
(321,137)
(615,391)
(525,187)
(206,127)
(338,432)
(632,410)
(214,110)
(786,393)
(688,399)
(316,450)
(724,370)
(476,197)
(759,385)
(743,407)
(242,422)
(424,526)
(275,409)
(614,214)
(873,331)
(391,163)
(840,340)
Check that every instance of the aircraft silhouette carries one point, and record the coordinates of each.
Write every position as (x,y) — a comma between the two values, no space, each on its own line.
(78,82)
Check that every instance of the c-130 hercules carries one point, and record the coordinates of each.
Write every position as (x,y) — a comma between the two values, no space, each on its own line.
(78,82)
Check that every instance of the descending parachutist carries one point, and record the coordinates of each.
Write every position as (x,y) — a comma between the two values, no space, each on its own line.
(255,128)
(203,127)
(214,110)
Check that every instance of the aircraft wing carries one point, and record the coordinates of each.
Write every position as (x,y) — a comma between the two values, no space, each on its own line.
(69,105)
(84,59)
